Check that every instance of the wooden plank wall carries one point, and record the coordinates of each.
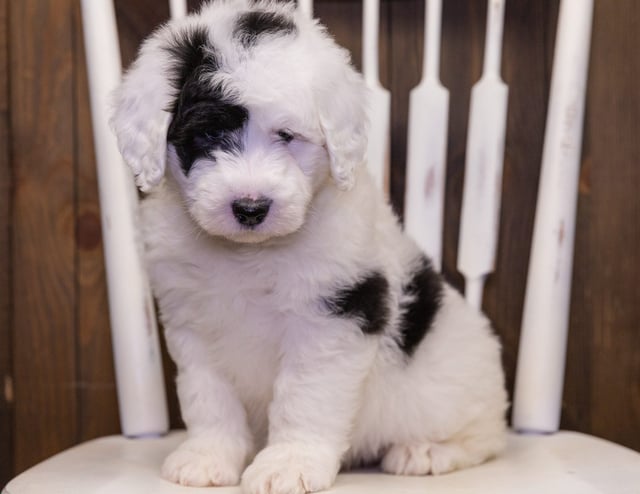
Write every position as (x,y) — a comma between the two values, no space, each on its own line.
(55,358)
(41,96)
(6,384)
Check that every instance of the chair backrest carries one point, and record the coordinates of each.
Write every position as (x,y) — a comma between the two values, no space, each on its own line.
(541,357)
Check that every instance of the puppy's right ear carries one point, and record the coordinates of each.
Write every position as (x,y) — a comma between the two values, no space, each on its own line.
(343,120)
(140,115)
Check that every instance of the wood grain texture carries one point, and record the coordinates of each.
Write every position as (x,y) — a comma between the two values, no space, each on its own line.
(405,27)
(603,369)
(6,370)
(135,21)
(43,229)
(343,18)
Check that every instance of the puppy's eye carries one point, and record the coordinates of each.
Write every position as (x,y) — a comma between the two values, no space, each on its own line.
(285,135)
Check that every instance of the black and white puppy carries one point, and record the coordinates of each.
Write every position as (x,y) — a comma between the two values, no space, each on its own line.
(309,332)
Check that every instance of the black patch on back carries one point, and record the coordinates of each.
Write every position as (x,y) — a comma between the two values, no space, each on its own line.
(204,120)
(365,301)
(250,26)
(424,289)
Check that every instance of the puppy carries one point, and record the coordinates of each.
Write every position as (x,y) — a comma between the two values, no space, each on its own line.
(308,331)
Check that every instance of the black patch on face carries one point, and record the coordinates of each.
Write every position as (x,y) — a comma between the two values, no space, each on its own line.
(250,26)
(425,291)
(365,301)
(202,126)
(204,119)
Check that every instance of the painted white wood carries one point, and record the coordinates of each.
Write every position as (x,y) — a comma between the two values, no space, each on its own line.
(427,145)
(379,97)
(561,463)
(483,167)
(541,359)
(306,6)
(138,366)
(178,8)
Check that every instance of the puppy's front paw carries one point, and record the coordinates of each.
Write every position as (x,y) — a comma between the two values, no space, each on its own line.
(199,464)
(291,469)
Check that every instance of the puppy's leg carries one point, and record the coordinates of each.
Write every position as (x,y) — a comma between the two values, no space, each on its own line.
(219,439)
(316,397)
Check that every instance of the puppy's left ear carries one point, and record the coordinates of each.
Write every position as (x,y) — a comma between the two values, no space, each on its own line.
(343,119)
(140,118)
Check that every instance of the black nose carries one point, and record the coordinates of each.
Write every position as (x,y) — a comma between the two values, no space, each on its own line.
(250,212)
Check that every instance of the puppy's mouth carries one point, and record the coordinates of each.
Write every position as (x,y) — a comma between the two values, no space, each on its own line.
(248,236)
(261,234)
(250,220)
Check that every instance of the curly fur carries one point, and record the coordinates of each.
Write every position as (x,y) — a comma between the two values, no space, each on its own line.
(318,335)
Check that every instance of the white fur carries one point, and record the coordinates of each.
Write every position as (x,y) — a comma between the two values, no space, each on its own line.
(266,376)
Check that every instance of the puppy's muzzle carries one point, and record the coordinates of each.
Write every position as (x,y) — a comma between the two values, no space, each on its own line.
(251,212)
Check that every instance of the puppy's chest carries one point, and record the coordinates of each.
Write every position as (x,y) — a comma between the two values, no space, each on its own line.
(259,289)
(223,292)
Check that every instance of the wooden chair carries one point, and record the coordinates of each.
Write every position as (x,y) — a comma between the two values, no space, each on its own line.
(538,458)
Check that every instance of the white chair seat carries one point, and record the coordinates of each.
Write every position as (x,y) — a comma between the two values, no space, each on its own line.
(564,463)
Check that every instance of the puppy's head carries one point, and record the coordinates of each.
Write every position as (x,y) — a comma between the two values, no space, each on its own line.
(250,107)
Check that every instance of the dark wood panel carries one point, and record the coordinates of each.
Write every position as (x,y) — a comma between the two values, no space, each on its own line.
(43,229)
(343,18)
(6,371)
(97,401)
(406,21)
(603,371)
(135,21)
(525,71)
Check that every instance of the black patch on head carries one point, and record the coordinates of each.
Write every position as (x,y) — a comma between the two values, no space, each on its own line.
(204,119)
(250,26)
(191,56)
(365,301)
(424,290)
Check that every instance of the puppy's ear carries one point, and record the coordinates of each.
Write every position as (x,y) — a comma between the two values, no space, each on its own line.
(140,118)
(343,119)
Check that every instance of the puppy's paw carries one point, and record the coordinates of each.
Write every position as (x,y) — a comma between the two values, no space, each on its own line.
(436,457)
(447,457)
(199,464)
(404,459)
(291,469)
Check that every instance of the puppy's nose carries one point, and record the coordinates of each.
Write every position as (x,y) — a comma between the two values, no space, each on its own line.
(251,212)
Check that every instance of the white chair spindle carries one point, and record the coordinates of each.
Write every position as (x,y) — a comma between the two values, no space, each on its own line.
(177,8)
(543,339)
(427,145)
(138,365)
(483,169)
(379,97)
(306,6)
